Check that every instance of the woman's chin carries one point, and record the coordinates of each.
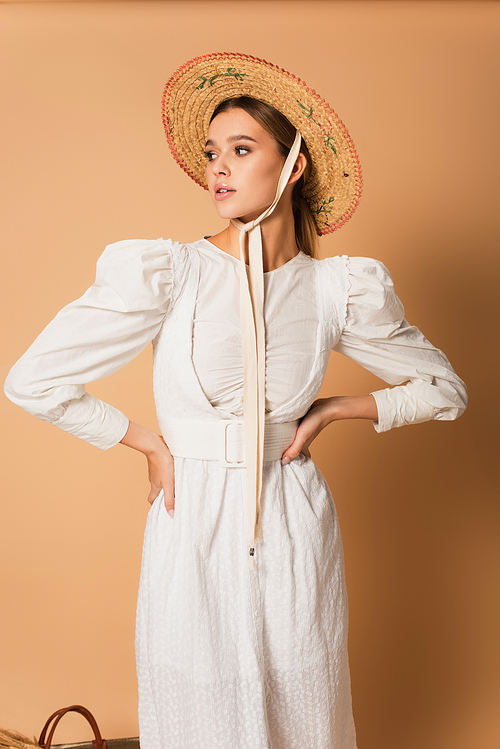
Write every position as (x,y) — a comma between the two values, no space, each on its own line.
(227,212)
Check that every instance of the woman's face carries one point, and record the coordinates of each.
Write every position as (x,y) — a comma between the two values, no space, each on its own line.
(243,167)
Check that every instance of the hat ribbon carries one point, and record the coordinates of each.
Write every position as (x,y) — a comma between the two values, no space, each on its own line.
(254,351)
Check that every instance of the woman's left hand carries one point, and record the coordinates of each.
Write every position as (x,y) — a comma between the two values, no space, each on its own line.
(322,412)
(315,420)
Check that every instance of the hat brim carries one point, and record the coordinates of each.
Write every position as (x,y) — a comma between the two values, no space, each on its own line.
(194,92)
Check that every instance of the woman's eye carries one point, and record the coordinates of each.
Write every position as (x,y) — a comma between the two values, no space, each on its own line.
(240,151)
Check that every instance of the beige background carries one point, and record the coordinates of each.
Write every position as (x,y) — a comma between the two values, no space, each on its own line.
(84,164)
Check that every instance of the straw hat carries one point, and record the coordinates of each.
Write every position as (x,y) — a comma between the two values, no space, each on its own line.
(195,90)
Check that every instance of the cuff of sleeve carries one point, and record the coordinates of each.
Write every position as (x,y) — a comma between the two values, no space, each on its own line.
(385,418)
(397,406)
(94,421)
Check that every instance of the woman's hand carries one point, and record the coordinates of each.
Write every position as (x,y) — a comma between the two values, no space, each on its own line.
(161,476)
(315,420)
(322,412)
(160,462)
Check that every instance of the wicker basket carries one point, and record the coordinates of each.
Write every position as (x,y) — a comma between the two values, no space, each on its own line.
(16,740)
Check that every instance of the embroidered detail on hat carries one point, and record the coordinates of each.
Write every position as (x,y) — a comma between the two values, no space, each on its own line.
(309,113)
(329,140)
(323,207)
(231,72)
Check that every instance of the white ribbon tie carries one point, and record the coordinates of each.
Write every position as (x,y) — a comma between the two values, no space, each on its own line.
(254,351)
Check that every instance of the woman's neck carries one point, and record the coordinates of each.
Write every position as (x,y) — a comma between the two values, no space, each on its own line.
(278,239)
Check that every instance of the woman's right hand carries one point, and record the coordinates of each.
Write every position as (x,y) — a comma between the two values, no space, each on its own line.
(160,462)
(161,476)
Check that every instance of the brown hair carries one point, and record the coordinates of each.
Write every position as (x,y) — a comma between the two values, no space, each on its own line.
(283,132)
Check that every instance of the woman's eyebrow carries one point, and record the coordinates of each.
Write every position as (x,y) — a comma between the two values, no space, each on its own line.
(231,139)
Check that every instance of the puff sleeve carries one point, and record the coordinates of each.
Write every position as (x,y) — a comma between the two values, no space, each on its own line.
(377,336)
(93,337)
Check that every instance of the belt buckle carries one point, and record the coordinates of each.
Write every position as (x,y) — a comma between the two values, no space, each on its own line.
(226,425)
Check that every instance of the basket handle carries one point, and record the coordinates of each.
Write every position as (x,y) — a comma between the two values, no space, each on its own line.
(98,741)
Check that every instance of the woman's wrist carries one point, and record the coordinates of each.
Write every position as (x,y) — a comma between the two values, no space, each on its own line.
(341,407)
(144,440)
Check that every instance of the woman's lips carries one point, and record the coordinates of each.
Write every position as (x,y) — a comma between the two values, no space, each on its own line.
(224,195)
(222,192)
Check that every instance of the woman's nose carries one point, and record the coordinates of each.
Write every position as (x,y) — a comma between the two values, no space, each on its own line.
(220,166)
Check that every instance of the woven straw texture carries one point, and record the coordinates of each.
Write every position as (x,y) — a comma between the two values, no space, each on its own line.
(198,87)
(15,740)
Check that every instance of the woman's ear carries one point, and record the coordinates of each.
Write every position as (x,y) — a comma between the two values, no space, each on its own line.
(298,169)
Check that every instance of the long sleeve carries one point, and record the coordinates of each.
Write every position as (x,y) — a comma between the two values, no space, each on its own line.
(93,337)
(377,336)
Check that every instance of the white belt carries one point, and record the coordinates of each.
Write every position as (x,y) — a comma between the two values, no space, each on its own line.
(223,440)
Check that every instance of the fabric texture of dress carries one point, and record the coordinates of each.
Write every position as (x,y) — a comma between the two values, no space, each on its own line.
(229,657)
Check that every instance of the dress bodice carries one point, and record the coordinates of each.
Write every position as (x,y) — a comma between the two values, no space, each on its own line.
(291,317)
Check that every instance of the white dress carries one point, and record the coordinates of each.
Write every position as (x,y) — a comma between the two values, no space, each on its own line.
(229,657)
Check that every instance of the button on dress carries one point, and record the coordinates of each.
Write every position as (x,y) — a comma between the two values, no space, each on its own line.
(229,657)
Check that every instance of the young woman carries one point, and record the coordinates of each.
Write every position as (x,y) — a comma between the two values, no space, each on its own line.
(242,611)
